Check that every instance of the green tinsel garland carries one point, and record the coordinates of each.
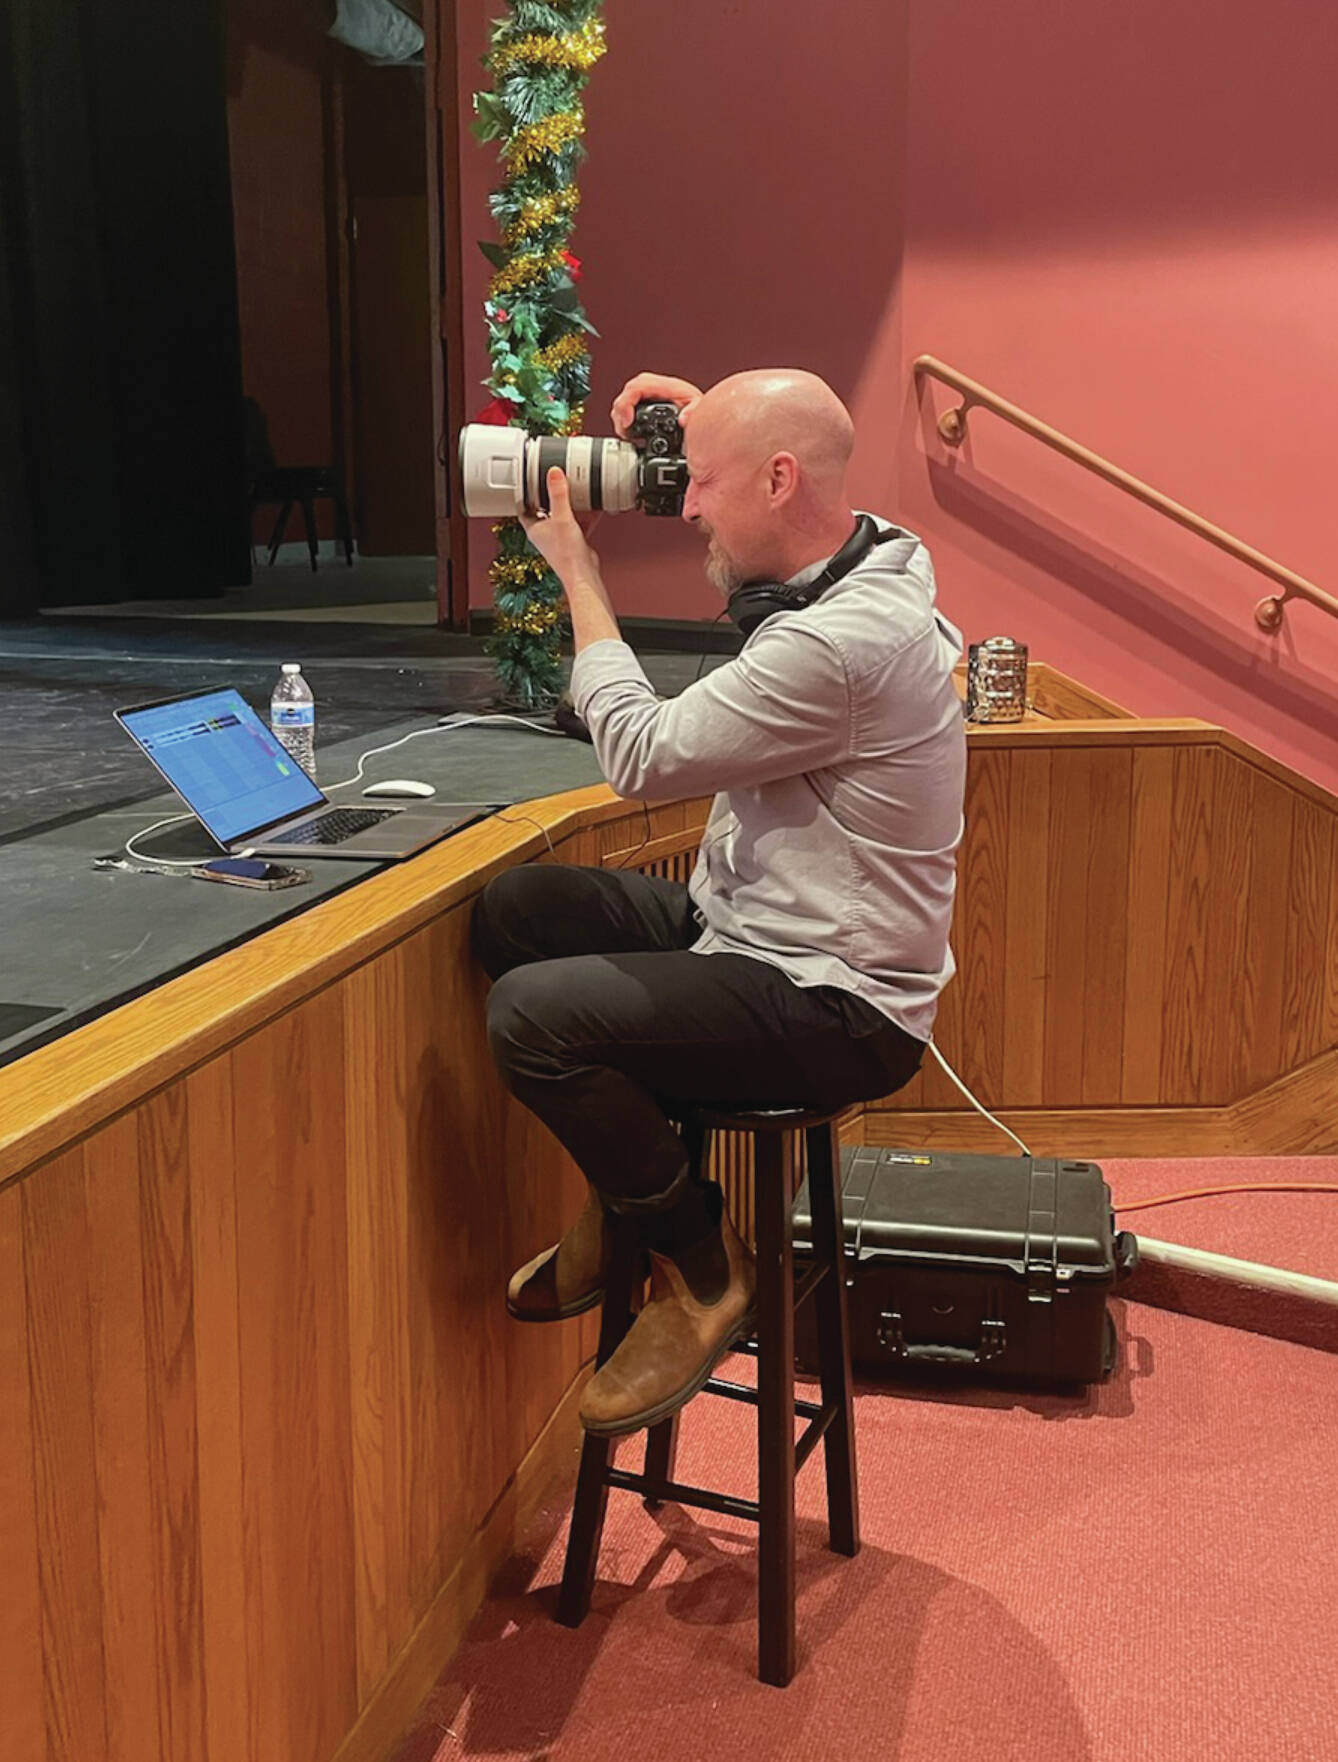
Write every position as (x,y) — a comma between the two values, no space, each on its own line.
(540,59)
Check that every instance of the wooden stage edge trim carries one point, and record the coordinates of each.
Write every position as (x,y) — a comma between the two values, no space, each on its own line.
(548,1468)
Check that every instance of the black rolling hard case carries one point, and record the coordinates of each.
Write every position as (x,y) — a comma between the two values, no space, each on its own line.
(997,1267)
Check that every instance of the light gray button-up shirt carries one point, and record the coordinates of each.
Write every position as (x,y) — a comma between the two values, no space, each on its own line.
(836,749)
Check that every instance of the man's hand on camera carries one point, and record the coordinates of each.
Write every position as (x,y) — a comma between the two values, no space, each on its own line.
(651,385)
(562,542)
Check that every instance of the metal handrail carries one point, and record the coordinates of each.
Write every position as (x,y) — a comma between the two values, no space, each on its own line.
(1268,614)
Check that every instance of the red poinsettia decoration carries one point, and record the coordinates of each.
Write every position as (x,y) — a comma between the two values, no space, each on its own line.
(496,414)
(573,265)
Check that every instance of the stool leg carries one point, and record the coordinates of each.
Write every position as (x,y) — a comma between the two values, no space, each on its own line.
(773,1194)
(280,527)
(592,1492)
(309,521)
(661,1453)
(824,1187)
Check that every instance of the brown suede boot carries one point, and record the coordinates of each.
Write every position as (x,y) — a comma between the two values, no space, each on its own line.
(673,1345)
(568,1278)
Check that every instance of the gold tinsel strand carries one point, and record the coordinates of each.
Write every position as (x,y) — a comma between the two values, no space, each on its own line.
(542,211)
(576,49)
(516,571)
(532,266)
(534,621)
(559,354)
(550,135)
(574,422)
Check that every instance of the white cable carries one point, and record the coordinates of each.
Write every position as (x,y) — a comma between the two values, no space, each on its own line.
(976,1104)
(161,862)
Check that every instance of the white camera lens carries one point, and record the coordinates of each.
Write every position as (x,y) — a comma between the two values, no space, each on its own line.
(504,471)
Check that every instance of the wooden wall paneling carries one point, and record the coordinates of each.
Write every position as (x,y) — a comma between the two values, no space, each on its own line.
(1189,1036)
(1107,928)
(214,1174)
(1073,808)
(1257,1020)
(1151,809)
(1306,908)
(1025,939)
(173,1452)
(980,923)
(22,1725)
(1237,941)
(375,1055)
(57,1257)
(1329,1028)
(144,1421)
(289,1135)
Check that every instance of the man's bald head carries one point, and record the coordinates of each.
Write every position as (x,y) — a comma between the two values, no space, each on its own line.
(767,453)
(778,410)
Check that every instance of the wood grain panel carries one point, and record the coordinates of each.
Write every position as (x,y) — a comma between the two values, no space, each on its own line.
(1151,812)
(1237,933)
(216,1301)
(1307,932)
(127,1516)
(1107,928)
(1073,835)
(1189,1033)
(1025,982)
(170,1434)
(22,1721)
(1264,974)
(377,1178)
(57,1257)
(981,921)
(288,1127)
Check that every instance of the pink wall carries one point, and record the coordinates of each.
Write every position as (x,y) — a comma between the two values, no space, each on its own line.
(1123,216)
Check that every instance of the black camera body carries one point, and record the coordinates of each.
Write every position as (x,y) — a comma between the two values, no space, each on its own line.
(663,471)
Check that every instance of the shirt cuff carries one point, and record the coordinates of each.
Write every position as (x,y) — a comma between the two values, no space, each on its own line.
(608,662)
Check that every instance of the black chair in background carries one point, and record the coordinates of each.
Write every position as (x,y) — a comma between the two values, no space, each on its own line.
(284,485)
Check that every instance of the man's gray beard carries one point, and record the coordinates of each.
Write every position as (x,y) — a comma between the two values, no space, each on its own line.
(722,571)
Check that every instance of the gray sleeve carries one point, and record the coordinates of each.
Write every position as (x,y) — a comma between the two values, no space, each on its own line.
(780,708)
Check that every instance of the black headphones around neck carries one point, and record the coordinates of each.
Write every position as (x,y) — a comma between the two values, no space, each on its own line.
(755,601)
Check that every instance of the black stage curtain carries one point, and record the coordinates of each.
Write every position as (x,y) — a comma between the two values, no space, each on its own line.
(122,464)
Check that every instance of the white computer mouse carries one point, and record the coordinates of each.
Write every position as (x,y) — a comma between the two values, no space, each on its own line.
(400,786)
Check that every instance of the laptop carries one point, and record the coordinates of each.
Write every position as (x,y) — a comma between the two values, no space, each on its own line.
(251,795)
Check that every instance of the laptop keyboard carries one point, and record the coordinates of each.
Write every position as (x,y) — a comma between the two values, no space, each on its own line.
(336,827)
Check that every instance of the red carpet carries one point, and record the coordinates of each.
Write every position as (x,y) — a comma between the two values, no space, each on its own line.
(1150,1572)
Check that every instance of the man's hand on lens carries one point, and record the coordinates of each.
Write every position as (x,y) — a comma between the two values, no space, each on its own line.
(651,385)
(559,537)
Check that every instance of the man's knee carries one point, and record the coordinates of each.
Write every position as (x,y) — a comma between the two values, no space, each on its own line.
(498,911)
(525,1011)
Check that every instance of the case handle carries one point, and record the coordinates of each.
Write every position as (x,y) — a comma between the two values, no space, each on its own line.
(993,1339)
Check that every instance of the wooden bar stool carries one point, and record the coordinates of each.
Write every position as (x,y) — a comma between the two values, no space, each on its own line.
(779,1139)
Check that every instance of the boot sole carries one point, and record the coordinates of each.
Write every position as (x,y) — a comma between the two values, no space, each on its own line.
(650,1416)
(553,1315)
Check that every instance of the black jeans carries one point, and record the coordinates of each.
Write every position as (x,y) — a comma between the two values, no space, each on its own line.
(600,1014)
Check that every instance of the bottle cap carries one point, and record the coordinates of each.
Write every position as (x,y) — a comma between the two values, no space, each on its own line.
(291,667)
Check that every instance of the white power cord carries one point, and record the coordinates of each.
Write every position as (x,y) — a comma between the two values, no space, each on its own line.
(979,1106)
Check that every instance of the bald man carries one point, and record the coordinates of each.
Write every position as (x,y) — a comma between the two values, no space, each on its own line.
(802,964)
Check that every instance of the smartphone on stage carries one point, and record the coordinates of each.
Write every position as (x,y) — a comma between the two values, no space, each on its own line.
(251,872)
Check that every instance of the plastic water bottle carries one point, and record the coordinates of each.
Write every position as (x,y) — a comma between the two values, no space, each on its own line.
(292,717)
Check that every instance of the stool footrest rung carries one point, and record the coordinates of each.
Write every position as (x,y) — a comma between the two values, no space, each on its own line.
(822,1418)
(803,1287)
(748,1395)
(671,1492)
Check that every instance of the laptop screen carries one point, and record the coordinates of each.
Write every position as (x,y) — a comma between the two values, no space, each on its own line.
(220,758)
